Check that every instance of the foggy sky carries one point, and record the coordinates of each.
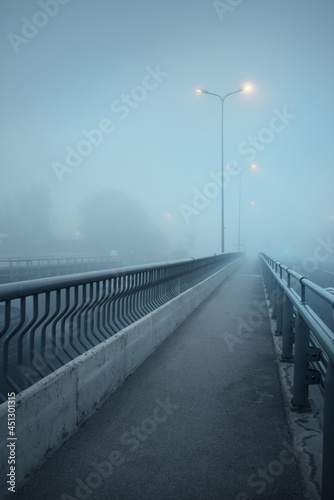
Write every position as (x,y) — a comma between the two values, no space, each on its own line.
(130,69)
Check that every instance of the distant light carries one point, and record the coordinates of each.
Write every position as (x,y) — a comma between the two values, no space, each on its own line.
(253,203)
(202,91)
(253,166)
(247,88)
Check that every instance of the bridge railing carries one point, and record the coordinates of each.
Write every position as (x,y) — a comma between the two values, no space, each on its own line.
(308,342)
(45,323)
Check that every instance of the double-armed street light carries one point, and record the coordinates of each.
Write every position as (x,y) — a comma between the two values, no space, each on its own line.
(222,99)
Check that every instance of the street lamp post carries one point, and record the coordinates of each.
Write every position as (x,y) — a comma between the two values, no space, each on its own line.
(222,99)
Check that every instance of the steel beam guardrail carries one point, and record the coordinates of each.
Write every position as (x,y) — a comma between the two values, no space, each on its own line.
(308,342)
(45,323)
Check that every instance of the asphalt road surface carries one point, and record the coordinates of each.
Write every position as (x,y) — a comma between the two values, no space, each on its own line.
(202,418)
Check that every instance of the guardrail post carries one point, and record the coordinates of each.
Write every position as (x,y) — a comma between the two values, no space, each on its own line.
(328,436)
(273,288)
(287,335)
(265,276)
(300,400)
(279,309)
(268,281)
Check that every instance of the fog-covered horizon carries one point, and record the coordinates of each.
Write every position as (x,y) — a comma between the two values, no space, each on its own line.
(106,146)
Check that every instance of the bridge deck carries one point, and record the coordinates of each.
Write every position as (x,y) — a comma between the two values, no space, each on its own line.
(202,418)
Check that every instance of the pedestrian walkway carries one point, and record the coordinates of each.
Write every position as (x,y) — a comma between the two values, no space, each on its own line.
(202,418)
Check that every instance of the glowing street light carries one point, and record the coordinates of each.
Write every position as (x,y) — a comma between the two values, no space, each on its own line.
(244,88)
(247,87)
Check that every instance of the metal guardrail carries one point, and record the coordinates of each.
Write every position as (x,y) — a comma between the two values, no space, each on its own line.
(46,323)
(309,343)
(18,269)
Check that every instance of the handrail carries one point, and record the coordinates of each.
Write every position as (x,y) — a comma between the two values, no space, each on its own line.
(307,341)
(45,323)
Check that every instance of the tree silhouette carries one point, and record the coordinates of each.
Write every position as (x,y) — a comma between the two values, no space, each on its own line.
(28,223)
(114,221)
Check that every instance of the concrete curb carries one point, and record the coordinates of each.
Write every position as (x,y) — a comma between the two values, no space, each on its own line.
(48,412)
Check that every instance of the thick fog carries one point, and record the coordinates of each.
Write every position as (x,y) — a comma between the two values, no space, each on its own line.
(107,147)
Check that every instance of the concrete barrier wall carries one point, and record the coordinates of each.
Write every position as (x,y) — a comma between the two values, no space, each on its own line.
(50,410)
